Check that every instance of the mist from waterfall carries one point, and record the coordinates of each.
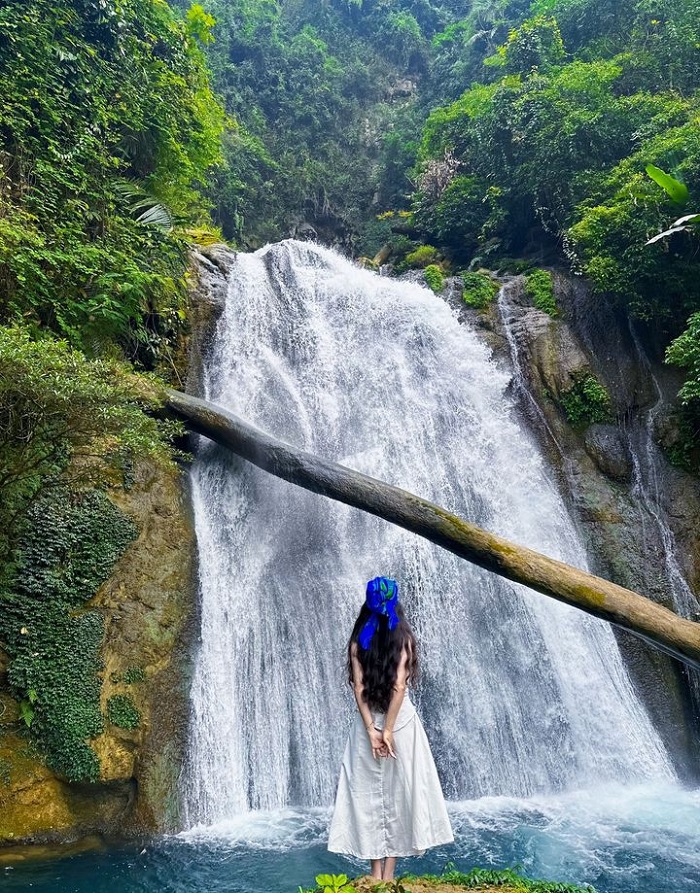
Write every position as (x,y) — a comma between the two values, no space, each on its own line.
(520,695)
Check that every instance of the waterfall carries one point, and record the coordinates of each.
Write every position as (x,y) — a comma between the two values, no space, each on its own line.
(520,695)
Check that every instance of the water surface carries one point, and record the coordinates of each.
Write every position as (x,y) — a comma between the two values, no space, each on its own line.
(621,840)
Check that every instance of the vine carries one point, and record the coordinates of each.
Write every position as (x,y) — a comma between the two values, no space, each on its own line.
(122,712)
(70,544)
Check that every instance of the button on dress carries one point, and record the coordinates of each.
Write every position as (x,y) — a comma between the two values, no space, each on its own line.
(389,807)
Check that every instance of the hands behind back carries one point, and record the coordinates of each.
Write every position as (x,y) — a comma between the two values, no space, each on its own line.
(376,740)
(388,740)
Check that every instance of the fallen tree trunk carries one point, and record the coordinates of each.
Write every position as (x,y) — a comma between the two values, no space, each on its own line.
(650,621)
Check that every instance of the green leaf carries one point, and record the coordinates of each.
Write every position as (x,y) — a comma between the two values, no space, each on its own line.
(678,226)
(677,191)
(27,713)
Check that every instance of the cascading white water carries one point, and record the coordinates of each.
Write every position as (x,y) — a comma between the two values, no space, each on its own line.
(519,693)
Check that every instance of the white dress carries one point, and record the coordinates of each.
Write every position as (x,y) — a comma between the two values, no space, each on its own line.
(389,807)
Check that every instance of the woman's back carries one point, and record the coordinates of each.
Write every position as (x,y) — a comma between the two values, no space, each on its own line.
(389,801)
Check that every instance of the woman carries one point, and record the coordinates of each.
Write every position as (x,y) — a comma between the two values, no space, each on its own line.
(389,801)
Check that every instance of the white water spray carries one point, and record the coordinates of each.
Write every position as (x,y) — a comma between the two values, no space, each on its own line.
(520,694)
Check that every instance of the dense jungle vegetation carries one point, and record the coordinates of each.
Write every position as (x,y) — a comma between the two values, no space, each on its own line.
(490,131)
(495,133)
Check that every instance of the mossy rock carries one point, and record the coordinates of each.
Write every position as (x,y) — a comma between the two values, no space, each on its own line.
(36,806)
(434,278)
(145,609)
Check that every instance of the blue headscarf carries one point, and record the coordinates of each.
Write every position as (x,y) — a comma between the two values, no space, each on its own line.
(382,599)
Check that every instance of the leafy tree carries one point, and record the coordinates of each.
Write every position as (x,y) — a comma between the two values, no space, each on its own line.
(96,94)
(537,44)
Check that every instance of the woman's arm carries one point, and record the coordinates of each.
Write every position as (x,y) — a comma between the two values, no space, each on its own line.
(375,737)
(395,703)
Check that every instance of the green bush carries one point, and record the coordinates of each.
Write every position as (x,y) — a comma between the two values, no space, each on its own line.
(458,215)
(537,44)
(684,351)
(423,256)
(479,289)
(122,712)
(372,237)
(587,401)
(434,277)
(539,287)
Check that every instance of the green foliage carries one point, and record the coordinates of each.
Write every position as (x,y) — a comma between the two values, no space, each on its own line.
(539,287)
(67,550)
(395,886)
(586,402)
(434,277)
(67,421)
(334,883)
(510,880)
(326,128)
(200,24)
(26,708)
(401,34)
(423,256)
(478,878)
(537,44)
(133,675)
(479,289)
(684,351)
(457,214)
(581,133)
(297,151)
(676,191)
(609,238)
(122,712)
(97,93)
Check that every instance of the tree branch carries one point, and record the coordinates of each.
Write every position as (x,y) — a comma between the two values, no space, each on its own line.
(650,621)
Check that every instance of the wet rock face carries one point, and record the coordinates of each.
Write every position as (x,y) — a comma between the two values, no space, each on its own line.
(149,612)
(207,289)
(35,805)
(607,448)
(639,516)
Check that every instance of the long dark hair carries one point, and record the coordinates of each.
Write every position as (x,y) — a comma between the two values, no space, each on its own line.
(380,662)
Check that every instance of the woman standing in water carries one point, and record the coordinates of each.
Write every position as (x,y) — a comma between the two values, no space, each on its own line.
(389,801)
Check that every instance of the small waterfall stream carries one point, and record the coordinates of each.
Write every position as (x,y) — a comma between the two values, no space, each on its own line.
(646,487)
(520,695)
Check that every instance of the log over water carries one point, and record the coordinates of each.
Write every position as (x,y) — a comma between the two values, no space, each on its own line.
(644,618)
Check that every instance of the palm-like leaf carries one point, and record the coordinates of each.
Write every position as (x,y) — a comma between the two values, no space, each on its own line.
(147,208)
(683,224)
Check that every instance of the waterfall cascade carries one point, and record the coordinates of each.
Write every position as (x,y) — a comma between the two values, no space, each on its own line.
(519,694)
